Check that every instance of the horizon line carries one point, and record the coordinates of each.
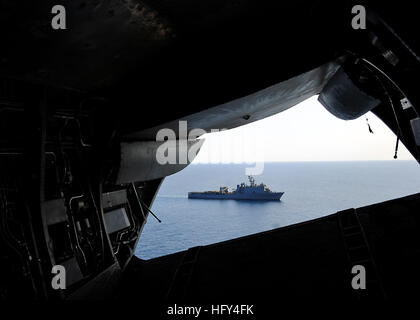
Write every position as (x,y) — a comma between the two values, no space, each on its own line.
(289,161)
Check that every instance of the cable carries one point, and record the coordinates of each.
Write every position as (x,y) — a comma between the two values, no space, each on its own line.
(399,131)
(142,203)
(388,78)
(73,222)
(396,147)
(383,73)
(148,209)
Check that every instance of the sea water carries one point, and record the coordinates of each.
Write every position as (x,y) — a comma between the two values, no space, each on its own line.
(311,190)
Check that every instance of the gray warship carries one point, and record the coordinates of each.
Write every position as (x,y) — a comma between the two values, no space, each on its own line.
(252,191)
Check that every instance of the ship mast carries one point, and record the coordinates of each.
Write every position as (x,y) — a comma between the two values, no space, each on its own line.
(251,181)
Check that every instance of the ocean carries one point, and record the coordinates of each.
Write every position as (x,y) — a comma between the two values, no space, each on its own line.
(311,190)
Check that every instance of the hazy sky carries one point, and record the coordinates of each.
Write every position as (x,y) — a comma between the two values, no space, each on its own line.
(305,132)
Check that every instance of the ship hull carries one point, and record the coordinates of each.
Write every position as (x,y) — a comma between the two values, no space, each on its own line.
(274,196)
